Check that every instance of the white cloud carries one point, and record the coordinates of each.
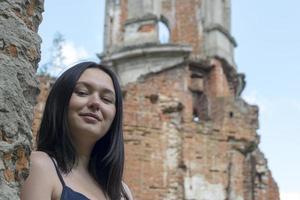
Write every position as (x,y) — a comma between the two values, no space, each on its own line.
(290,196)
(71,54)
(253,97)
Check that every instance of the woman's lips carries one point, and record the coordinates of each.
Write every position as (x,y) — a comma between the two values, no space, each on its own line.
(90,116)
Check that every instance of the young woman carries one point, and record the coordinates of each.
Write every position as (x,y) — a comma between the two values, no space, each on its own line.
(80,150)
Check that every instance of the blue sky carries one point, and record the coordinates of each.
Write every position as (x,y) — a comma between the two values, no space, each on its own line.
(268,37)
(268,52)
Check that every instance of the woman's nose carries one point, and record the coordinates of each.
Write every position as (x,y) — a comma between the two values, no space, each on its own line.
(94,103)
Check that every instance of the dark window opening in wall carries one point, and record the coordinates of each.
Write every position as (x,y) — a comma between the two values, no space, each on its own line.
(231,114)
(200,107)
(195,115)
(163,33)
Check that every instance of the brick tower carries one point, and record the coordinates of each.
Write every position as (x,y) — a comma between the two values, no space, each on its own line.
(188,133)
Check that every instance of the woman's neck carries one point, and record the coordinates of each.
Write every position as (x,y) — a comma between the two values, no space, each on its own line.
(83,162)
(84,150)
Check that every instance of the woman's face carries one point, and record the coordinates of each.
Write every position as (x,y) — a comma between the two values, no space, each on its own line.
(92,105)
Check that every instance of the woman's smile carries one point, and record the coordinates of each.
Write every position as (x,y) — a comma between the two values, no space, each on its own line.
(90,117)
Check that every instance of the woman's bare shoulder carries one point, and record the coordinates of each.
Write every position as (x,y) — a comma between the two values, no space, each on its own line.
(41,162)
(40,182)
(40,158)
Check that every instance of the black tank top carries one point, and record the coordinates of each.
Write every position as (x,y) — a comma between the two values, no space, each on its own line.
(67,192)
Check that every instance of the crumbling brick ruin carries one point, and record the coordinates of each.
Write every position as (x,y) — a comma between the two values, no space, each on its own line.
(19,56)
(189,134)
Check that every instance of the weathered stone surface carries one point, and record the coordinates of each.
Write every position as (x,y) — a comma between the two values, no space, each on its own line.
(154,58)
(45,84)
(19,56)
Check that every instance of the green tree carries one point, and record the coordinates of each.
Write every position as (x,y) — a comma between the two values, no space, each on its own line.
(56,57)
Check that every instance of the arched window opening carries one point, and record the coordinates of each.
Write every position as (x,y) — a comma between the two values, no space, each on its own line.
(200,107)
(163,33)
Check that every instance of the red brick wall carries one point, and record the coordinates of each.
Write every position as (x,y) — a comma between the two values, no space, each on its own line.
(187,28)
(165,148)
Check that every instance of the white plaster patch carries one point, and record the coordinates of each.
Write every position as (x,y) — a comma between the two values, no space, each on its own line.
(197,188)
(171,161)
(173,145)
(233,196)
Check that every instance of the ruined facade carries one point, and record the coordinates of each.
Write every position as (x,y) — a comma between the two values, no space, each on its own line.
(19,56)
(188,133)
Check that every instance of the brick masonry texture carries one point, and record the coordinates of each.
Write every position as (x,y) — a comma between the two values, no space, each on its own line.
(19,56)
(170,156)
(188,133)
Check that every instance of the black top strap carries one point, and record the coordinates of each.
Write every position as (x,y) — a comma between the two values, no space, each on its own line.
(58,173)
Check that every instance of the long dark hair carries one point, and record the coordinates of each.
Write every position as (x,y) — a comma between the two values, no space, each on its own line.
(107,158)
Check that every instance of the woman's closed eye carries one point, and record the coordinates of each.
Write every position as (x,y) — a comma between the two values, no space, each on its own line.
(108,99)
(81,92)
